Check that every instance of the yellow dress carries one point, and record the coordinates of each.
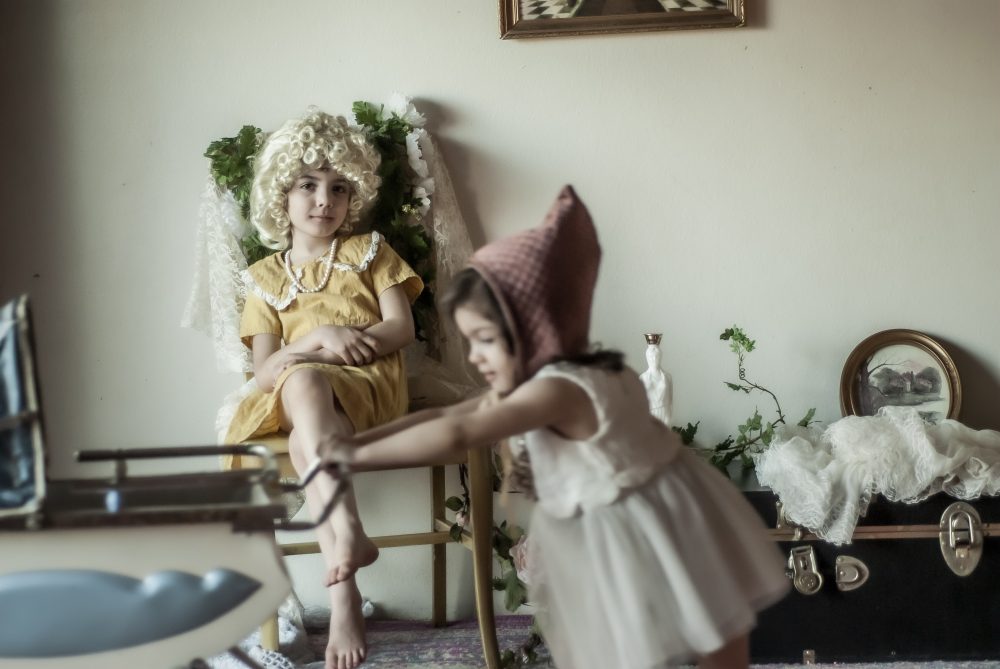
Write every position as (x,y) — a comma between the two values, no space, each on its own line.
(364,267)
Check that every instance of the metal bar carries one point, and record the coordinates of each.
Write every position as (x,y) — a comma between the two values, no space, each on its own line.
(10,422)
(241,655)
(338,492)
(121,455)
(439,557)
(883,532)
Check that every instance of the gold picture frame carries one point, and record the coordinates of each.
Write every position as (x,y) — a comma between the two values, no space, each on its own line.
(552,18)
(901,368)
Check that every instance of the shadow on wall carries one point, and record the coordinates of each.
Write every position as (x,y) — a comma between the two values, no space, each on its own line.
(980,389)
(39,239)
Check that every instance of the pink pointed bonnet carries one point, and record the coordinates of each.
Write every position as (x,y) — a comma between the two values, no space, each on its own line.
(544,281)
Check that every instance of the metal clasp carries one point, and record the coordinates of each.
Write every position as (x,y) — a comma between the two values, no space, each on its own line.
(961,537)
(802,570)
(783,522)
(851,573)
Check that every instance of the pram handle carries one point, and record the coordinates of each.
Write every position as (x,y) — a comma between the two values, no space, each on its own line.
(268,476)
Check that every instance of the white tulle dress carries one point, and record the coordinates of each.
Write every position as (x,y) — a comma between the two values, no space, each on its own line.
(645,555)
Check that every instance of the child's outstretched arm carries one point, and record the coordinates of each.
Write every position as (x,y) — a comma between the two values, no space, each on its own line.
(549,402)
(409,420)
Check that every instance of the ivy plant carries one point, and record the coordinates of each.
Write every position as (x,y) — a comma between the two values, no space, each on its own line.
(757,432)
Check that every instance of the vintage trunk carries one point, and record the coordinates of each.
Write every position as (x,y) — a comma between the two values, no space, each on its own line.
(891,594)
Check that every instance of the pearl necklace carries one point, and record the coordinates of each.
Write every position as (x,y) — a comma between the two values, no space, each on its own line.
(296,276)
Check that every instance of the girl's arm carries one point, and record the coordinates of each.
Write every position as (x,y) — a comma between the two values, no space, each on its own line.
(549,402)
(396,329)
(265,348)
(362,345)
(270,358)
(411,419)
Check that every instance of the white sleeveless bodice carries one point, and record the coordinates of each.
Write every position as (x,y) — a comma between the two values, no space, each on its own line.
(629,447)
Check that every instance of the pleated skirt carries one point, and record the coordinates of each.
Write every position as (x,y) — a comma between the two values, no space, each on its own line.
(671,571)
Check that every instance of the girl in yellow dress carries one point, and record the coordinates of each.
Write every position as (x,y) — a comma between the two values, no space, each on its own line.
(326,318)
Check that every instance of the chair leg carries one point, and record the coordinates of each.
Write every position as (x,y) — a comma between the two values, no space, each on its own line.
(439,564)
(269,633)
(481,498)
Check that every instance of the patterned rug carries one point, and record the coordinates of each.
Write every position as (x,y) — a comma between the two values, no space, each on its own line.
(417,645)
(401,643)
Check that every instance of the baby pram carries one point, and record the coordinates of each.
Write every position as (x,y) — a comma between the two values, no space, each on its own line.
(128,571)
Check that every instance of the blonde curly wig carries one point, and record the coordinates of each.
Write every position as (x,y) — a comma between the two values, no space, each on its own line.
(308,143)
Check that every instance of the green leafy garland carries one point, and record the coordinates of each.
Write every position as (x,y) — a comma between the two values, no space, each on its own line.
(755,434)
(396,213)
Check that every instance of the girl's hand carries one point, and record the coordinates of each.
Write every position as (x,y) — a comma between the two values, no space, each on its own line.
(352,346)
(338,450)
(276,363)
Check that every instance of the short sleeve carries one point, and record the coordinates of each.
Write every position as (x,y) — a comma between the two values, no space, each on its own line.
(388,269)
(258,318)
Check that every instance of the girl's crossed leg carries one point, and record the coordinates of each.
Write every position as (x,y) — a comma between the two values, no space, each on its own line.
(312,419)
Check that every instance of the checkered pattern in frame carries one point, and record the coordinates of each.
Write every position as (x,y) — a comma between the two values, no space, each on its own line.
(692,5)
(548,9)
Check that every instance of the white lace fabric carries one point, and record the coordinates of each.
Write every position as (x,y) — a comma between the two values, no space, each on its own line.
(825,479)
(217,292)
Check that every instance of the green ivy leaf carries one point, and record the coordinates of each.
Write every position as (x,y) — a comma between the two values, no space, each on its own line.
(687,433)
(807,418)
(455,532)
(516,593)
(768,434)
(724,444)
(454,504)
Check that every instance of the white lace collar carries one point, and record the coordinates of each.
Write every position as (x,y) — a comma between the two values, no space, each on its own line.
(292,292)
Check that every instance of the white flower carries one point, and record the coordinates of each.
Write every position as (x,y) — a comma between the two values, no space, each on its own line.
(232,217)
(419,193)
(461,519)
(414,154)
(521,554)
(427,185)
(401,106)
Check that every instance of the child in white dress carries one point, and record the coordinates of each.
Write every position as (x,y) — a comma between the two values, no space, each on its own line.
(647,556)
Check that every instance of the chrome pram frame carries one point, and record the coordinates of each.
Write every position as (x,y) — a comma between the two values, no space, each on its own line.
(127,571)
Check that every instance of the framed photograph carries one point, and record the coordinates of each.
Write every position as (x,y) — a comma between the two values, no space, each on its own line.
(550,18)
(900,368)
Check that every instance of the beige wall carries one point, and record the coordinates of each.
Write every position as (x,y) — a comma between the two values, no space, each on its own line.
(825,173)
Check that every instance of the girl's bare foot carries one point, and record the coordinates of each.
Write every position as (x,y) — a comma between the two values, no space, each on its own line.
(351,552)
(346,648)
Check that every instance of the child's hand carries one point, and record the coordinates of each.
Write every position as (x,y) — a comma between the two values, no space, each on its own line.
(278,362)
(354,347)
(338,449)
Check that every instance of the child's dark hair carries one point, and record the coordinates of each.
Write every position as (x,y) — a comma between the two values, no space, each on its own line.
(468,288)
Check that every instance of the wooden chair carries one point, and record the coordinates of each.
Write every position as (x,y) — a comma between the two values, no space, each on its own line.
(478,539)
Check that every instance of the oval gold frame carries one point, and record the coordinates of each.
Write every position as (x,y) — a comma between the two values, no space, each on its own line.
(850,403)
